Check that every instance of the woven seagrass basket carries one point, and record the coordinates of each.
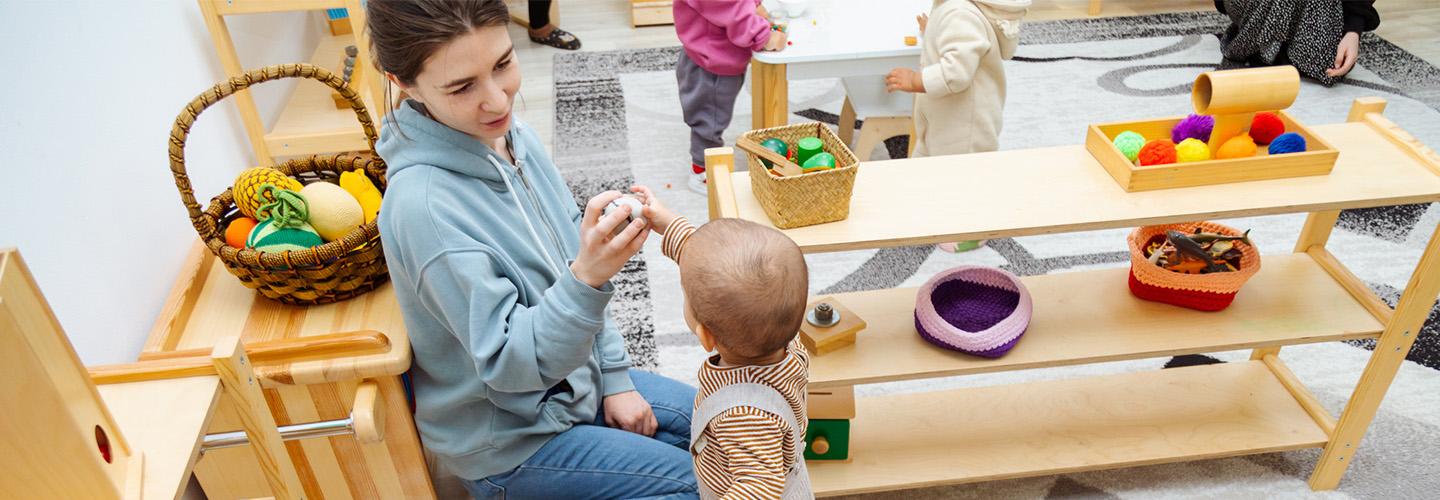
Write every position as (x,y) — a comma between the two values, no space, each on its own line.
(806,199)
(335,271)
(1204,292)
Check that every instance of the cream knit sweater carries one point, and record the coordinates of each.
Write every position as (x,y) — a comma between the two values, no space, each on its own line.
(962,68)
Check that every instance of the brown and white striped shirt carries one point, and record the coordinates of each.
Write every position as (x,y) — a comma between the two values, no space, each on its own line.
(749,451)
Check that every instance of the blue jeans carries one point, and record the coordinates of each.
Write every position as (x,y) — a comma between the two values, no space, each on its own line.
(595,461)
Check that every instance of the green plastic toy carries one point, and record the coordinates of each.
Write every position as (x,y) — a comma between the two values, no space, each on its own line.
(776,145)
(807,147)
(837,439)
(821,161)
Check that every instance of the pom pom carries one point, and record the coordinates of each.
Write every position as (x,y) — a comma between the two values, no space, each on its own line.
(1157,152)
(1266,127)
(1240,146)
(1192,149)
(1129,144)
(269,236)
(1288,142)
(1193,127)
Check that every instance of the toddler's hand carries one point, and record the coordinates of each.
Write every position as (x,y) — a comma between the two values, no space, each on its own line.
(922,20)
(904,79)
(777,41)
(656,212)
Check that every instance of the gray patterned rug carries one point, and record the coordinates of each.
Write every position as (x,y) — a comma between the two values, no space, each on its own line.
(617,122)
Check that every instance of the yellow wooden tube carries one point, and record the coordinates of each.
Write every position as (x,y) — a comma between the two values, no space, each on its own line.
(1233,97)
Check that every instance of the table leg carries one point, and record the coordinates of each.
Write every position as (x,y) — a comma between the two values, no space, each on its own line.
(769,95)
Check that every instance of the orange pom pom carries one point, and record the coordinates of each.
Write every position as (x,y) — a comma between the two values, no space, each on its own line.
(1156,152)
(1240,146)
(238,230)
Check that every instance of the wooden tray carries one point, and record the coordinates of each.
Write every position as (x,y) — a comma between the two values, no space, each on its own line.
(1318,158)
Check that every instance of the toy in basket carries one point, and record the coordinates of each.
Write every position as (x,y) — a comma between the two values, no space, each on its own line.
(973,309)
(1236,112)
(305,268)
(1199,265)
(791,195)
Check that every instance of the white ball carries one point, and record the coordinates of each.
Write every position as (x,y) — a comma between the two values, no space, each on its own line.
(635,210)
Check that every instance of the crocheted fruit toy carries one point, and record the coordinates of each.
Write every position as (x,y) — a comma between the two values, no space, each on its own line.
(247,188)
(1157,152)
(1265,127)
(238,230)
(1192,149)
(1193,127)
(358,185)
(1288,142)
(268,236)
(776,145)
(1240,146)
(333,212)
(1129,144)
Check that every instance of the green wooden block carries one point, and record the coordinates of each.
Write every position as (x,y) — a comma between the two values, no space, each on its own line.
(835,432)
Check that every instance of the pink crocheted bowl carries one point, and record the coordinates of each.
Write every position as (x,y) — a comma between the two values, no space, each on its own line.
(973,309)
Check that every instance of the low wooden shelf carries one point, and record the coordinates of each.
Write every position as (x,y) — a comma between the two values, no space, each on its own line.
(310,123)
(1291,301)
(1054,427)
(164,419)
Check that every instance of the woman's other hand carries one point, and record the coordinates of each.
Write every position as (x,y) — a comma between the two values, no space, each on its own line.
(1345,55)
(601,256)
(629,411)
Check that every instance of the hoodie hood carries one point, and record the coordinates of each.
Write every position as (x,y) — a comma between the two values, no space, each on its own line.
(1005,16)
(408,138)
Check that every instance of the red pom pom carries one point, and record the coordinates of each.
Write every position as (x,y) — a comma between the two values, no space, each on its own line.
(1266,127)
(1157,152)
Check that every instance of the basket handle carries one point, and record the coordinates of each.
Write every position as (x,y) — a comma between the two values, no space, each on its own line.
(786,167)
(186,119)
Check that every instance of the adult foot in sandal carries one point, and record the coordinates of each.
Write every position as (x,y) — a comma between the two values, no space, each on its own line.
(555,37)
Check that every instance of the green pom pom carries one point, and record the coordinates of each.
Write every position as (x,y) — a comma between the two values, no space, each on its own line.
(1129,144)
(270,237)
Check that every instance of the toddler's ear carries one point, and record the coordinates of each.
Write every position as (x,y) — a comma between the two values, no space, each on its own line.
(706,339)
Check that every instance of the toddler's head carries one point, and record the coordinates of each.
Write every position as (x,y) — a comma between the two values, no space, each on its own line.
(745,289)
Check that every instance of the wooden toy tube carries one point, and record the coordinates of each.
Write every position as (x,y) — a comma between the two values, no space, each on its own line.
(1233,97)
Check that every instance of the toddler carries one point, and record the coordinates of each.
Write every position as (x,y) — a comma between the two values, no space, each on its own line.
(718,37)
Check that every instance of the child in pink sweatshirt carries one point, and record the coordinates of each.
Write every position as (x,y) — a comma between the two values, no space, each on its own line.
(718,37)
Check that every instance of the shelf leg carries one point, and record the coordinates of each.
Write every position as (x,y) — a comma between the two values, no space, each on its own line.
(243,388)
(719,163)
(230,61)
(1315,233)
(769,95)
(1390,351)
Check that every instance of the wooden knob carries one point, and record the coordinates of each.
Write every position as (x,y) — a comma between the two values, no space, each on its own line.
(368,413)
(820,445)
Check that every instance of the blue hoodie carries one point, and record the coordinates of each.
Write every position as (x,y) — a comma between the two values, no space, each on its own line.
(479,252)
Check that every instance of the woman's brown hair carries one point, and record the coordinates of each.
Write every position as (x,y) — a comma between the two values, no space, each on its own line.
(404,33)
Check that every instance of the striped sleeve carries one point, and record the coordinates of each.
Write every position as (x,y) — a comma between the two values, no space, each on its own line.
(753,445)
(676,234)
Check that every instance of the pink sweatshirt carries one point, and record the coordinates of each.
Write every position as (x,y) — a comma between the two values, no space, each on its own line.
(719,35)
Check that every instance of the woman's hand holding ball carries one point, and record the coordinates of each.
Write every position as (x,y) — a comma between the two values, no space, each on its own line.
(601,255)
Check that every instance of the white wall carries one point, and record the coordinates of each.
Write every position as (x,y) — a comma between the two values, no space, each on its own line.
(88,92)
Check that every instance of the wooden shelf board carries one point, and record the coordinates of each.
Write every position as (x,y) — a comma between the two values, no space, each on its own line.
(1064,189)
(1054,427)
(165,420)
(230,7)
(1090,317)
(310,123)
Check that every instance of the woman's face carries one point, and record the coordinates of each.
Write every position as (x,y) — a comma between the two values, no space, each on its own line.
(469,84)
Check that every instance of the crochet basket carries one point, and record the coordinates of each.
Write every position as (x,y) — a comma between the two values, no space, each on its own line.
(1204,292)
(338,270)
(973,309)
(806,199)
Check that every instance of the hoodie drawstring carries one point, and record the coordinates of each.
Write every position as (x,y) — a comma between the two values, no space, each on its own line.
(534,236)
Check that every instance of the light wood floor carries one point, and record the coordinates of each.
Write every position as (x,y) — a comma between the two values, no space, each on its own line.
(605,25)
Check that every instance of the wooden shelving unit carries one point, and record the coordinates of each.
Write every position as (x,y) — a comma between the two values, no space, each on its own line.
(979,434)
(310,123)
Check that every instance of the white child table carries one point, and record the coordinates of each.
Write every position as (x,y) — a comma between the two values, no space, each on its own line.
(832,39)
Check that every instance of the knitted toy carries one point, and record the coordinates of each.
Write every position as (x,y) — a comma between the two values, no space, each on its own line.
(1266,127)
(1192,149)
(1129,144)
(1288,142)
(247,188)
(238,230)
(636,211)
(333,212)
(1157,152)
(269,236)
(364,191)
(1240,146)
(1193,127)
(286,205)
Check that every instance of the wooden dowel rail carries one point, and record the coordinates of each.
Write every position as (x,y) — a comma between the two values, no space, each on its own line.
(196,362)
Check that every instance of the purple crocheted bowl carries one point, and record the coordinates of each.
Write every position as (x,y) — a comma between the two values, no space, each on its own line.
(973,309)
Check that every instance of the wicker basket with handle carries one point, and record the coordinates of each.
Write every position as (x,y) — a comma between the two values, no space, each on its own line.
(338,270)
(807,199)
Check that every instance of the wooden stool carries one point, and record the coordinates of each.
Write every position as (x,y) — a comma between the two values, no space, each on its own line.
(886,115)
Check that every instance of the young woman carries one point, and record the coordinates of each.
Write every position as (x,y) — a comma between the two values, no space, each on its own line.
(522,385)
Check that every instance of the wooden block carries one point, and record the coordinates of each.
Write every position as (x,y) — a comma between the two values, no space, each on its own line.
(827,439)
(339,26)
(910,41)
(820,340)
(831,403)
(650,13)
